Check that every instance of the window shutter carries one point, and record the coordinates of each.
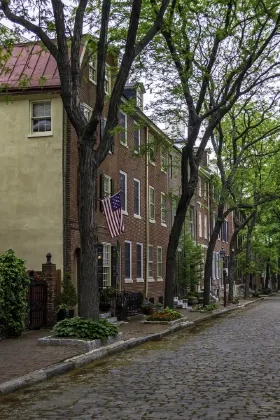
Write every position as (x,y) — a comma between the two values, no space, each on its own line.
(101,191)
(114,266)
(100,265)
(112,187)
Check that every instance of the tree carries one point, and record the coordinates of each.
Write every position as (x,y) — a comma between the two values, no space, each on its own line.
(218,53)
(60,29)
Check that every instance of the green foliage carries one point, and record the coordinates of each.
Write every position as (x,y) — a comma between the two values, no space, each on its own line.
(165,315)
(190,264)
(13,292)
(86,329)
(68,298)
(206,308)
(146,304)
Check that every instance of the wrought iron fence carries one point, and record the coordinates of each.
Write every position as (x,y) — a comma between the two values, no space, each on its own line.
(121,304)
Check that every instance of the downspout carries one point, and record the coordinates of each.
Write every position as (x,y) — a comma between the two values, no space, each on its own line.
(65,191)
(147,216)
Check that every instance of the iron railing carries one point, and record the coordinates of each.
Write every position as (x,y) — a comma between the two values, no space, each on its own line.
(121,304)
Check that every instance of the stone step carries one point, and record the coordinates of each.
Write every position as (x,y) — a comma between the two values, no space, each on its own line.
(105,315)
(112,319)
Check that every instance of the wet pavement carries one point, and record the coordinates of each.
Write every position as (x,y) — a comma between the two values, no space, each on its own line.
(224,369)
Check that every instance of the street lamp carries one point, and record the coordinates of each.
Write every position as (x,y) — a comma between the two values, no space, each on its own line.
(222,255)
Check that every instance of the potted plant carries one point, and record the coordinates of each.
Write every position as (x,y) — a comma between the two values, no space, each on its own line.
(105,295)
(67,300)
(192,300)
(158,306)
(148,307)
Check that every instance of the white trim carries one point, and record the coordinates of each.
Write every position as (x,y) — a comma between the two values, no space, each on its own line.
(93,59)
(159,278)
(109,282)
(125,132)
(39,133)
(140,279)
(139,195)
(163,201)
(136,152)
(152,261)
(152,219)
(128,279)
(199,224)
(125,201)
(205,224)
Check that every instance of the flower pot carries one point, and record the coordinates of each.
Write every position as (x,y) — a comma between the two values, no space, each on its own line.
(192,301)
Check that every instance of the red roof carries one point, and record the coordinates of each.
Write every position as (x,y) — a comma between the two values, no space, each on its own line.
(29,60)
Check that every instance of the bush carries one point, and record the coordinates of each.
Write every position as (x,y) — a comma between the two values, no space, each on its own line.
(235,300)
(68,298)
(86,329)
(165,315)
(13,292)
(206,308)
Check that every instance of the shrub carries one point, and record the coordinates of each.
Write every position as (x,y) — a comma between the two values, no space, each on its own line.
(86,329)
(206,308)
(165,315)
(13,292)
(68,298)
(235,300)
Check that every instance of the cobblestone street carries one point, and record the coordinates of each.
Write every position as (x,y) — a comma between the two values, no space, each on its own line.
(225,369)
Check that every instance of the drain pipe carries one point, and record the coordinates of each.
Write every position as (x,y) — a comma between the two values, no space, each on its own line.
(147,215)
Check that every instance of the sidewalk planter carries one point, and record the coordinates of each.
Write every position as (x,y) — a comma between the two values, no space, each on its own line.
(84,345)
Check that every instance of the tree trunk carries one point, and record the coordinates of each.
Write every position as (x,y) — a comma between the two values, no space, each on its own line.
(248,259)
(209,255)
(89,291)
(267,274)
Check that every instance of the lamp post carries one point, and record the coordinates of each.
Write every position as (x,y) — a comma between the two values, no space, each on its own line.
(222,255)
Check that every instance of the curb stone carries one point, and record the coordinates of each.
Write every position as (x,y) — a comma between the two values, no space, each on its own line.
(100,353)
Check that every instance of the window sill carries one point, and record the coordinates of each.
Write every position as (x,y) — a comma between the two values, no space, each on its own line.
(159,279)
(140,280)
(42,134)
(128,280)
(124,144)
(125,212)
(162,170)
(137,216)
(151,280)
(164,224)
(92,81)
(152,221)
(152,163)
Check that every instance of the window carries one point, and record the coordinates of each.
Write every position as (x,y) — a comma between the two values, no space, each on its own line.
(106,265)
(41,117)
(163,160)
(107,79)
(200,225)
(86,110)
(123,124)
(150,262)
(136,138)
(136,202)
(123,190)
(191,221)
(127,260)
(159,262)
(152,156)
(152,203)
(139,261)
(93,70)
(199,186)
(163,209)
(205,227)
(170,169)
(205,190)
(107,182)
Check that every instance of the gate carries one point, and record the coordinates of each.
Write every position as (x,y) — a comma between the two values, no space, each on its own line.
(37,304)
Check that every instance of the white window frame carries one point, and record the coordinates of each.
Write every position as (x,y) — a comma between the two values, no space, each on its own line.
(151,136)
(152,219)
(126,279)
(105,244)
(93,65)
(150,262)
(125,201)
(39,133)
(136,149)
(159,278)
(109,180)
(137,216)
(199,225)
(140,279)
(163,160)
(124,143)
(205,227)
(163,203)
(88,110)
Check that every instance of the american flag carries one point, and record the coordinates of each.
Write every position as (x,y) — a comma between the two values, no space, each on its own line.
(112,209)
